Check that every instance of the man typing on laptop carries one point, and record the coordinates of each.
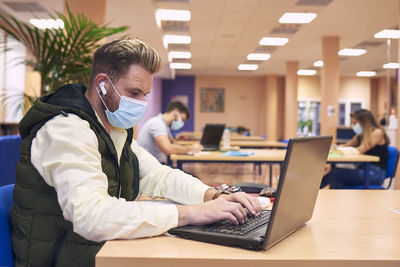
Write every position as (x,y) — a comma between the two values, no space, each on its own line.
(80,170)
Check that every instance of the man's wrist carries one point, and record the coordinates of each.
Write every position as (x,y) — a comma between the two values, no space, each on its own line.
(183,215)
(218,193)
(209,194)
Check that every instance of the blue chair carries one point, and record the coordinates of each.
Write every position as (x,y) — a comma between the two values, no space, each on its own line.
(6,254)
(393,159)
(9,156)
(391,168)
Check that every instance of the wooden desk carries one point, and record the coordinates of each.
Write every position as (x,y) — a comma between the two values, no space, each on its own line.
(233,136)
(348,228)
(268,156)
(8,128)
(245,144)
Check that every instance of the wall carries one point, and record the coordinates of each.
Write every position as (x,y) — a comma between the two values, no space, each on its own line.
(350,87)
(243,102)
(357,88)
(181,86)
(244,98)
(154,102)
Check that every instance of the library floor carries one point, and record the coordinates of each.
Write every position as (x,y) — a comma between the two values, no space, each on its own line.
(231,173)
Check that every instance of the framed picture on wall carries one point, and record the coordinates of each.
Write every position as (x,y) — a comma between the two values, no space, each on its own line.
(212,99)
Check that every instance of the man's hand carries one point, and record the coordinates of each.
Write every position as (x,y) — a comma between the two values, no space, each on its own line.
(196,148)
(226,207)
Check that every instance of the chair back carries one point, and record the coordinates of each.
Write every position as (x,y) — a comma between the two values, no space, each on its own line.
(393,159)
(9,156)
(6,199)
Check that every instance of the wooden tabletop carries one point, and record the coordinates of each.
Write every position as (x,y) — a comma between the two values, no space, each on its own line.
(243,143)
(233,136)
(263,155)
(348,228)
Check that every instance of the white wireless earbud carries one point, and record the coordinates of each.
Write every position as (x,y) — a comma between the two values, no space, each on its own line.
(102,88)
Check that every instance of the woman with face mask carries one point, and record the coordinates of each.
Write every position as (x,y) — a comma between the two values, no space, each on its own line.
(369,139)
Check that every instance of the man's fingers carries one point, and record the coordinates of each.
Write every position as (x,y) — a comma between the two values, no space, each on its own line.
(250,203)
(238,211)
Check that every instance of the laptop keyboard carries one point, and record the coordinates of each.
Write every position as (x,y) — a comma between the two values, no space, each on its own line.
(252,222)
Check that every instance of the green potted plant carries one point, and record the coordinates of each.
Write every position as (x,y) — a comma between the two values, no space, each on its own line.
(306,126)
(60,55)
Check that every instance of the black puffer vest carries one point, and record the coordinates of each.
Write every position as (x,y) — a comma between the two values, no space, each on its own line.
(40,234)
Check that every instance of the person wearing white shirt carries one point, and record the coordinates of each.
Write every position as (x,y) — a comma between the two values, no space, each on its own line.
(155,135)
(80,171)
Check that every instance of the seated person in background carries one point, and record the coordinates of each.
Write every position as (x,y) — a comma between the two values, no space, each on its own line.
(370,139)
(155,135)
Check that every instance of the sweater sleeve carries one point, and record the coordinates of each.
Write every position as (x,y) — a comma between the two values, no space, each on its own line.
(158,180)
(65,152)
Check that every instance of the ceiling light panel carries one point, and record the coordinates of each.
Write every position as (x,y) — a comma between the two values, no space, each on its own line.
(306,72)
(366,73)
(297,18)
(388,34)
(352,52)
(258,56)
(176,39)
(248,67)
(47,23)
(172,14)
(179,54)
(180,66)
(391,65)
(318,63)
(274,41)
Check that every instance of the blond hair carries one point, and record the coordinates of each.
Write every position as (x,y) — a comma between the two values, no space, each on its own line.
(114,58)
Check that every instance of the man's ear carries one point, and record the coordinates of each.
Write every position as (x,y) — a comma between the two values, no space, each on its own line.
(100,82)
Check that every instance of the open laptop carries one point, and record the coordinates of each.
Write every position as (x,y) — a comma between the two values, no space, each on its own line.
(211,138)
(294,203)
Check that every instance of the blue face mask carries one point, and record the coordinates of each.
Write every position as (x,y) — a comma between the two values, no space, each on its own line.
(129,112)
(357,129)
(176,125)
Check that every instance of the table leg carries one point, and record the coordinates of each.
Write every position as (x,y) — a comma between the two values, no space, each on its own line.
(270,174)
(179,164)
(366,173)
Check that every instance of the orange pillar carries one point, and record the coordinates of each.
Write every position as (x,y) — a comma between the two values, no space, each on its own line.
(290,117)
(330,78)
(271,107)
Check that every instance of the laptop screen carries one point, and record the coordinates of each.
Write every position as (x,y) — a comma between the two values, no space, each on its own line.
(298,186)
(212,135)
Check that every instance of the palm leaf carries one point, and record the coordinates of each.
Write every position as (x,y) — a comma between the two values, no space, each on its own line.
(60,55)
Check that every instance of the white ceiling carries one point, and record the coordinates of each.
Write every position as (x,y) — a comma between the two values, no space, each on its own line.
(224,31)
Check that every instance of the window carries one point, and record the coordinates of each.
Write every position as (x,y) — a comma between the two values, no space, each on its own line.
(12,80)
(308,117)
(346,106)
